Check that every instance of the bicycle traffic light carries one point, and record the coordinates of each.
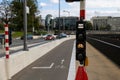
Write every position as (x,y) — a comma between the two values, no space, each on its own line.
(80,42)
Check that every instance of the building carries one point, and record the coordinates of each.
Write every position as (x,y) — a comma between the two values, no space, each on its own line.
(114,22)
(106,23)
(66,23)
(99,22)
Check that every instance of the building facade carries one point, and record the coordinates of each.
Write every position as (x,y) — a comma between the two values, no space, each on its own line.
(114,22)
(66,23)
(106,23)
(99,22)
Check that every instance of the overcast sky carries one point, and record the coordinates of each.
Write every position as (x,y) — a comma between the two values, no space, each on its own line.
(93,8)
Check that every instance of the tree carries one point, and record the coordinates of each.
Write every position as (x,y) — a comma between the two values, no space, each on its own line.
(17,9)
(89,25)
(5,12)
(108,27)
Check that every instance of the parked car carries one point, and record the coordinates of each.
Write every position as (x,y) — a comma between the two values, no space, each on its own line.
(29,37)
(49,37)
(61,35)
(44,36)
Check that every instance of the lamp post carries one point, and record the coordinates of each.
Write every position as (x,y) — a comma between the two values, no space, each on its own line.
(68,16)
(25,26)
(59,18)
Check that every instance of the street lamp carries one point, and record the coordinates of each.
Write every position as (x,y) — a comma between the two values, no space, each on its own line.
(59,16)
(25,26)
(68,16)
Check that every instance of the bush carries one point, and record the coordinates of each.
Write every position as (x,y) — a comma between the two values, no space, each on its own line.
(40,32)
(1,31)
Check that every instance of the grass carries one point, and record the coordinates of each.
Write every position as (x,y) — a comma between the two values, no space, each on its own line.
(1,31)
(17,34)
(14,34)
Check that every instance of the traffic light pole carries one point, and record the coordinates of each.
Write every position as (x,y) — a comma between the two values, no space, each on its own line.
(82,10)
(81,43)
(81,36)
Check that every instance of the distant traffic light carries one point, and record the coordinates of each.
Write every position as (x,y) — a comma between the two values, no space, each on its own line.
(81,42)
(73,0)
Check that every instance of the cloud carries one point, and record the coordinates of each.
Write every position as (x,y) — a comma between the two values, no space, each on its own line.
(54,1)
(102,8)
(54,13)
(43,4)
(93,8)
(102,3)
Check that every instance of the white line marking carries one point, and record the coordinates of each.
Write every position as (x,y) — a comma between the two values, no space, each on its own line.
(105,42)
(49,67)
(72,71)
(62,61)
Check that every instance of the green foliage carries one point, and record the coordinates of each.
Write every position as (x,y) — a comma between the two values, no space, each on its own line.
(17,10)
(89,25)
(17,34)
(1,27)
(1,31)
(42,32)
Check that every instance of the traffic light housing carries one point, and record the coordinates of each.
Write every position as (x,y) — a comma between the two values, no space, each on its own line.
(72,0)
(81,42)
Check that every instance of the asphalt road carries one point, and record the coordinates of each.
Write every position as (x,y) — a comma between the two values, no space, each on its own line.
(52,66)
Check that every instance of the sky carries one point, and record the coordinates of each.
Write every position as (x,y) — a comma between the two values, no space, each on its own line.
(93,8)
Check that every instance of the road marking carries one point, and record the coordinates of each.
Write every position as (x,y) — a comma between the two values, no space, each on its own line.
(72,71)
(60,67)
(62,61)
(49,67)
(105,42)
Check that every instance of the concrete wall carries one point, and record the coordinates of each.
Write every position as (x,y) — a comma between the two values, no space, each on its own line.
(20,60)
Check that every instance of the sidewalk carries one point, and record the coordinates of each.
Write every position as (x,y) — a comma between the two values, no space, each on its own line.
(100,67)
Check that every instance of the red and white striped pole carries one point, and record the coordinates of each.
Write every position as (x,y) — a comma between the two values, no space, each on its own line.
(7,51)
(82,10)
(7,41)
